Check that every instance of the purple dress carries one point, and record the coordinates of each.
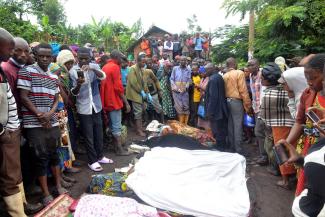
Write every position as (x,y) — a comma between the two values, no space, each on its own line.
(181,79)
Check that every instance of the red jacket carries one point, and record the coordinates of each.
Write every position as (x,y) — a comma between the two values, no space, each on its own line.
(111,88)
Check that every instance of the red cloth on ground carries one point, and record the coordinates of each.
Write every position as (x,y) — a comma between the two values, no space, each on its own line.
(112,87)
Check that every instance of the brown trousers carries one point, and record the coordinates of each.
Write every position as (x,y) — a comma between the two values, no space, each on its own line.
(10,170)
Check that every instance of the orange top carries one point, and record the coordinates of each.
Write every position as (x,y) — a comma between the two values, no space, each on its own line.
(235,87)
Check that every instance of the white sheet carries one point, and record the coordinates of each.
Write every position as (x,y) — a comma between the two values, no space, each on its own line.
(199,182)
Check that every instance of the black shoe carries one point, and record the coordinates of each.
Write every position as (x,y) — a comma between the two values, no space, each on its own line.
(31,209)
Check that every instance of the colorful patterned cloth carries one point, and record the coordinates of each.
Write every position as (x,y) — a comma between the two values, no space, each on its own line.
(167,103)
(112,184)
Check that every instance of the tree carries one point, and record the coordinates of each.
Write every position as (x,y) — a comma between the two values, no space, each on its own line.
(234,43)
(192,24)
(55,12)
(243,7)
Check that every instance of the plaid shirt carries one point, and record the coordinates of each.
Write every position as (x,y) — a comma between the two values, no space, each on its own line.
(256,86)
(274,109)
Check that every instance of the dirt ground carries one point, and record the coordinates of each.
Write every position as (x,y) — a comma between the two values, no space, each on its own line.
(267,199)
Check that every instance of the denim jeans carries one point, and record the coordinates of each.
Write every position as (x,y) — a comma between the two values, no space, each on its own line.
(235,123)
(115,122)
(92,130)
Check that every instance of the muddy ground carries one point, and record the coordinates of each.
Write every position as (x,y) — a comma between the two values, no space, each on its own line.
(267,199)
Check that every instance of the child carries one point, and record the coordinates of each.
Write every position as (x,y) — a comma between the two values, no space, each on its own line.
(195,96)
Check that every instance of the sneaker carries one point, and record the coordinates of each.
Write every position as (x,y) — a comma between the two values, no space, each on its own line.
(105,160)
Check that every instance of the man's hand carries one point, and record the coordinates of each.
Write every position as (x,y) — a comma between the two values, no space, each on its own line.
(5,137)
(250,112)
(127,107)
(45,118)
(85,68)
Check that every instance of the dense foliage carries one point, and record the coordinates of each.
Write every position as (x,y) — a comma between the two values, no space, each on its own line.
(52,25)
(282,27)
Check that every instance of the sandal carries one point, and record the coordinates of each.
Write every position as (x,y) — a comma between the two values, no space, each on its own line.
(282,185)
(96,167)
(105,160)
(47,200)
(62,190)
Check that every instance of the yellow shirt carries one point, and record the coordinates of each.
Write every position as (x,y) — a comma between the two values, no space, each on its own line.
(196,92)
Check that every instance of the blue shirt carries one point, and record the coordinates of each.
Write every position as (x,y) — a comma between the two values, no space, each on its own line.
(89,96)
(124,74)
(198,43)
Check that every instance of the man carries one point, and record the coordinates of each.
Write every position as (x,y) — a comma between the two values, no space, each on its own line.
(180,81)
(112,96)
(10,69)
(168,47)
(237,101)
(216,106)
(257,91)
(154,88)
(198,42)
(39,97)
(195,95)
(164,60)
(85,86)
(10,171)
(137,91)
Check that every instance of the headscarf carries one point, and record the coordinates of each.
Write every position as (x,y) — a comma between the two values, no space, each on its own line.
(296,81)
(55,48)
(281,62)
(63,57)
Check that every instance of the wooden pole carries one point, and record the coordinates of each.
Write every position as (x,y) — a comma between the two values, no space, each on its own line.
(251,35)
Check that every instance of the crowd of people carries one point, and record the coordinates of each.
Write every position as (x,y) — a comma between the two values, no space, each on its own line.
(53,100)
(174,45)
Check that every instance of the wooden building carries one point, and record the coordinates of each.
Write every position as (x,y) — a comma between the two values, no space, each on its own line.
(154,32)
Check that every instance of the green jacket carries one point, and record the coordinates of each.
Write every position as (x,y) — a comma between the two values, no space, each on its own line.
(135,83)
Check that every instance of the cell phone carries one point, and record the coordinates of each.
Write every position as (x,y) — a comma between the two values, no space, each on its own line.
(281,154)
(80,74)
(312,116)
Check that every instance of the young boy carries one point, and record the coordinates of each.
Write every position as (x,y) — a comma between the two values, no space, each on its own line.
(196,96)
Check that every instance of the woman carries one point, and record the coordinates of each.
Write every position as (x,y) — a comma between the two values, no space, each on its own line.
(311,202)
(294,83)
(167,100)
(275,113)
(202,122)
(313,96)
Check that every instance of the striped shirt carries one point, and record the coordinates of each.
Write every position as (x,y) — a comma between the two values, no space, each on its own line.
(42,87)
(13,121)
(10,120)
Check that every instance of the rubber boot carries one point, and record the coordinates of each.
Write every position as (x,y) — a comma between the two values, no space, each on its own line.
(29,208)
(162,118)
(119,148)
(186,117)
(138,125)
(15,205)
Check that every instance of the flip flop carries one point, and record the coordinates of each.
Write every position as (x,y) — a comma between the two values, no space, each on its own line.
(62,191)
(105,160)
(96,167)
(47,200)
